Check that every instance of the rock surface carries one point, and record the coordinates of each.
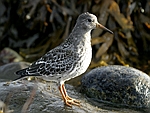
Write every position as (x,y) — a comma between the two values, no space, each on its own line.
(7,72)
(118,85)
(38,96)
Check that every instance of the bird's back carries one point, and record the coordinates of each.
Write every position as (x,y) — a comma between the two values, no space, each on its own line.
(71,58)
(60,62)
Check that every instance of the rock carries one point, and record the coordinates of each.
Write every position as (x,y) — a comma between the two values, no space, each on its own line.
(7,71)
(38,96)
(118,85)
(8,55)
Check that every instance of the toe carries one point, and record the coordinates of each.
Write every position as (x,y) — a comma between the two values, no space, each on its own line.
(74,100)
(71,102)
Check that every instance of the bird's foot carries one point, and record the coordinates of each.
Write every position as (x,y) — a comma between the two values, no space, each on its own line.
(70,101)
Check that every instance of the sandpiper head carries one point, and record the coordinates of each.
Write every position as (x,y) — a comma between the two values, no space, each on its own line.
(89,22)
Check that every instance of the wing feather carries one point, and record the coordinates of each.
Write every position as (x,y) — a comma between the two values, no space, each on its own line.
(54,62)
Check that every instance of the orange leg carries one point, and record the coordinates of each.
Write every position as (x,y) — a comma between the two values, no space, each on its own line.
(68,100)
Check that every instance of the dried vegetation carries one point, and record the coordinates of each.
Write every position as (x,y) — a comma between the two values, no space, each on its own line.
(32,27)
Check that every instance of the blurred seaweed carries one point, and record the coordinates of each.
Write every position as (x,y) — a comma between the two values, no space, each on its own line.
(32,27)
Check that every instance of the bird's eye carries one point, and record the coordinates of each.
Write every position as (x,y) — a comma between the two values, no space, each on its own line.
(89,20)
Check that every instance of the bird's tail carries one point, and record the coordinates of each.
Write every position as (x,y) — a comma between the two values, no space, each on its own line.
(22,73)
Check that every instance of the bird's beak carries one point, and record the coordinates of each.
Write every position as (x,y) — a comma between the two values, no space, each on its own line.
(98,25)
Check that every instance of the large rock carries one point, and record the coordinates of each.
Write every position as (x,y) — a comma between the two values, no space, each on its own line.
(38,96)
(118,85)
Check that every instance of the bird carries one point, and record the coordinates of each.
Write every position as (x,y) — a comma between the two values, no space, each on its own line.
(68,60)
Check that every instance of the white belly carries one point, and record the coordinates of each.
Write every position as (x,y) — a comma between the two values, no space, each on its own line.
(86,61)
(84,50)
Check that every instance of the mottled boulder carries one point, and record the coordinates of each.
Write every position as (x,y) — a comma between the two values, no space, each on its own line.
(118,85)
(39,96)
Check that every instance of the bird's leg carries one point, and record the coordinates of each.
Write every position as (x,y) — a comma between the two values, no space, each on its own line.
(65,92)
(62,92)
(68,100)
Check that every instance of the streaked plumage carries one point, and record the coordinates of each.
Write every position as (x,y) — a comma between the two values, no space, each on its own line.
(68,60)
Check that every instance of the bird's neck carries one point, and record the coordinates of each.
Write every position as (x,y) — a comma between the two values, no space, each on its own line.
(80,36)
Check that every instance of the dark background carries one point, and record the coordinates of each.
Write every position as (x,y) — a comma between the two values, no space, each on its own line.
(33,27)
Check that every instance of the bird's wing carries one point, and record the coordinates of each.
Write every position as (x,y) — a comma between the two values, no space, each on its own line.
(55,62)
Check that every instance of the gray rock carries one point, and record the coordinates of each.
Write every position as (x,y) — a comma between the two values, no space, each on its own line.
(118,85)
(44,97)
(7,71)
(38,96)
